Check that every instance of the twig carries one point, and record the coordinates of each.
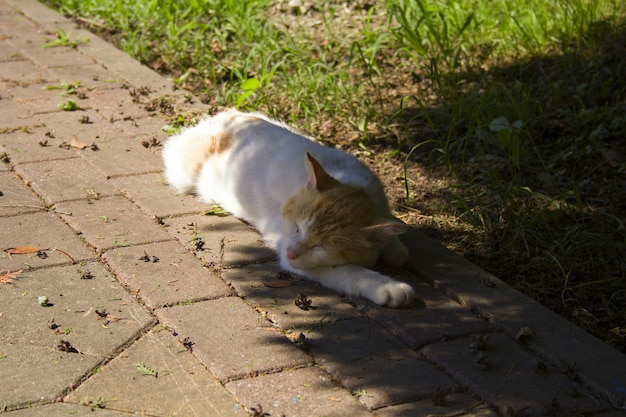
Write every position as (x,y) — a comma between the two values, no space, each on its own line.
(66,254)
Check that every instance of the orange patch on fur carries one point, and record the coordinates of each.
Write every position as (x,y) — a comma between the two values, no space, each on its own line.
(200,151)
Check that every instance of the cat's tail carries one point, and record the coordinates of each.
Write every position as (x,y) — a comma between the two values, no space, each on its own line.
(181,166)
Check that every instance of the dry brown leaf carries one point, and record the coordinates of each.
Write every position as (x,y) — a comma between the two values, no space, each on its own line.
(76,143)
(21,250)
(278,283)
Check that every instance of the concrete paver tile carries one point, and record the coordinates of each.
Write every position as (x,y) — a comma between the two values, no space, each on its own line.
(41,230)
(24,72)
(30,34)
(75,293)
(143,127)
(36,98)
(35,144)
(15,197)
(155,198)
(372,362)
(63,410)
(507,376)
(87,125)
(441,404)
(91,76)
(123,156)
(14,118)
(66,179)
(60,56)
(116,104)
(222,241)
(33,366)
(120,63)
(111,222)
(168,274)
(32,374)
(436,317)
(181,386)
(266,287)
(42,15)
(297,393)
(231,339)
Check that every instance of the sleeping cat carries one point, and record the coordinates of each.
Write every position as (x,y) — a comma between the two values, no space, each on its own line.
(323,211)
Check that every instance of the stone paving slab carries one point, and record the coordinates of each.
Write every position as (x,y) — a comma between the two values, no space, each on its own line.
(441,404)
(41,230)
(123,156)
(38,374)
(266,287)
(23,72)
(374,364)
(35,144)
(62,180)
(87,125)
(435,318)
(491,366)
(117,105)
(91,76)
(37,98)
(35,364)
(165,274)
(217,240)
(63,410)
(112,222)
(15,198)
(231,339)
(297,393)
(181,386)
(143,127)
(155,198)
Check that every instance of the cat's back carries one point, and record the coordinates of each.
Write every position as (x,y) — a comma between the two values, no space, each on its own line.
(248,156)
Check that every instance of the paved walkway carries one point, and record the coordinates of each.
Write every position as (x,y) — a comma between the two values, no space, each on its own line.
(127,299)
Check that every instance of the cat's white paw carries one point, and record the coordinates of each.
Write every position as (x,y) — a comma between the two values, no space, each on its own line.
(393,294)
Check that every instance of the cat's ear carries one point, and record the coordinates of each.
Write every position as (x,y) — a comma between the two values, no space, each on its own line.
(383,231)
(318,178)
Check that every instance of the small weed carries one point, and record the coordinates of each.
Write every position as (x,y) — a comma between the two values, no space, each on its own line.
(94,404)
(145,369)
(63,39)
(69,105)
(359,393)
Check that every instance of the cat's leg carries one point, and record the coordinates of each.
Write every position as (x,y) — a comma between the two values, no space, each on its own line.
(395,253)
(356,280)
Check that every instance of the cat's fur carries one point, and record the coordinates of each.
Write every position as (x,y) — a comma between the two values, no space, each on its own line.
(323,210)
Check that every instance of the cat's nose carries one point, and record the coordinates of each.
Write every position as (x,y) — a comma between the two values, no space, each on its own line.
(291,255)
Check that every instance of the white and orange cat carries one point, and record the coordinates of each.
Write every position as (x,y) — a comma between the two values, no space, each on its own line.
(323,211)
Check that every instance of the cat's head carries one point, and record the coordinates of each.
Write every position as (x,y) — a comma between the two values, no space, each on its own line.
(330,223)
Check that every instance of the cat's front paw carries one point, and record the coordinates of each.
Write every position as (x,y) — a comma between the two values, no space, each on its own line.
(394,294)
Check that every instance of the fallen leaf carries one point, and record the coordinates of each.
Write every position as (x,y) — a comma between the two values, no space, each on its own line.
(23,250)
(76,143)
(278,283)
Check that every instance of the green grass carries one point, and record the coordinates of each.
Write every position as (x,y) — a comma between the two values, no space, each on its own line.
(507,116)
